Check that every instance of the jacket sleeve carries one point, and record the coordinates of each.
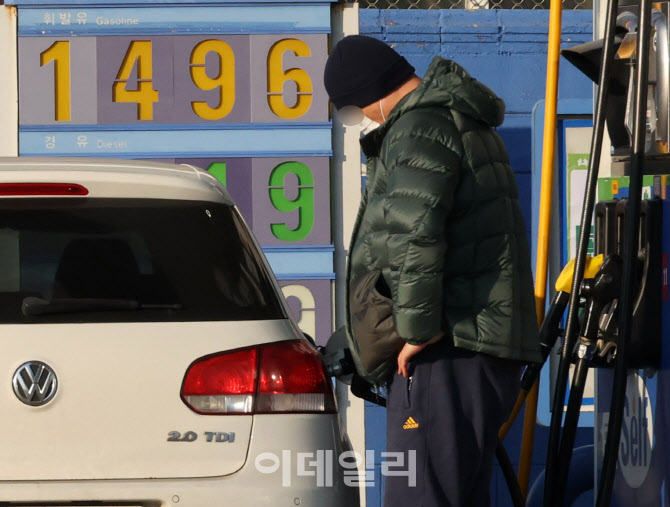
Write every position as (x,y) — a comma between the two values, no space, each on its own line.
(422,153)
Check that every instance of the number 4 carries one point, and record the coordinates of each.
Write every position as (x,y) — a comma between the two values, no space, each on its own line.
(139,53)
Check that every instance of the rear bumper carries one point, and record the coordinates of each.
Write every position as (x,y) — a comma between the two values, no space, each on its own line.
(296,447)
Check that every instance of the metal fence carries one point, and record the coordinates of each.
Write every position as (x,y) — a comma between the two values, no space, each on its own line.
(472,4)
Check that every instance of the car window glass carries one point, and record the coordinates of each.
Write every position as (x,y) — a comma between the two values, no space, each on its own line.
(196,255)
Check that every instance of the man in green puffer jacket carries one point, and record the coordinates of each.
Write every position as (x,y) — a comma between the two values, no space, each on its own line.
(441,236)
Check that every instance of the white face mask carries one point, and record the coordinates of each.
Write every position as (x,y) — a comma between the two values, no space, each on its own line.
(368,125)
(353,115)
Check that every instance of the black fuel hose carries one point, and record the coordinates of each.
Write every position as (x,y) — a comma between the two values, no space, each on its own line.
(630,252)
(510,475)
(587,213)
(549,333)
(570,427)
(601,291)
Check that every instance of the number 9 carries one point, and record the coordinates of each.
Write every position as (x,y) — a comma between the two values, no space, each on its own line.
(304,203)
(224,81)
(307,318)
(277,77)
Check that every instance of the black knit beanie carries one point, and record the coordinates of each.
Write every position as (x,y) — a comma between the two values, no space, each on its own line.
(361,70)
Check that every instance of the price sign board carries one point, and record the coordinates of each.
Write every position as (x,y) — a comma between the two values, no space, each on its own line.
(233,88)
(171,79)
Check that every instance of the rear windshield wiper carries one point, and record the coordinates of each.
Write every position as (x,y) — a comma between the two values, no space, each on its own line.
(33,306)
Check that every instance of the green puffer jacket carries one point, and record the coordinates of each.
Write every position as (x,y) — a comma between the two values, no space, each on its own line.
(440,219)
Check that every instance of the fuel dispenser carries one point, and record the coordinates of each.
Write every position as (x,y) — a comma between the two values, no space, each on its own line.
(640,470)
(618,315)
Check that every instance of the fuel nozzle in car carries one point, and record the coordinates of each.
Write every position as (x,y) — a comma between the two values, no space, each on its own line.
(337,357)
(340,365)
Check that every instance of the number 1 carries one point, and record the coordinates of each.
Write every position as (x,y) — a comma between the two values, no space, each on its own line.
(59,53)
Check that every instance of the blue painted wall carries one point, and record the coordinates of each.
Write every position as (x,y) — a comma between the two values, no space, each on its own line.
(506,50)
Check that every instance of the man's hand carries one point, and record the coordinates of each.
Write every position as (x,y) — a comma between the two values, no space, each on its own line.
(409,351)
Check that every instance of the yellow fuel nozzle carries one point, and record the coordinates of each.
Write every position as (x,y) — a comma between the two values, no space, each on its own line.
(564,280)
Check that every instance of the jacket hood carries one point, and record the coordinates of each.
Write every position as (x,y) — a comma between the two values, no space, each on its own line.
(447,84)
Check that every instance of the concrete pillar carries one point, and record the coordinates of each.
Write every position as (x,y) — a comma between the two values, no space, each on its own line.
(346,194)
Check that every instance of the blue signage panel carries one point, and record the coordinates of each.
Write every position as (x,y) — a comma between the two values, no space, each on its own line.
(305,263)
(157,3)
(240,142)
(234,19)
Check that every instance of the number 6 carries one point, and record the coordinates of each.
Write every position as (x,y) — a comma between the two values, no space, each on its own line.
(277,77)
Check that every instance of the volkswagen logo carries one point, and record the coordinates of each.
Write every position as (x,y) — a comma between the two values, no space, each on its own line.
(35,383)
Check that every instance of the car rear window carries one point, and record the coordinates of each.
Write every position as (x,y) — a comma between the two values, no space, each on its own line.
(179,260)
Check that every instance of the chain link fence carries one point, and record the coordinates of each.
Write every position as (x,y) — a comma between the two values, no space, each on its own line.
(472,4)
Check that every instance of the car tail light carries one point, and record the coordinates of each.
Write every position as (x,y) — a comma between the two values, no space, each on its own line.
(54,189)
(222,384)
(278,377)
(293,379)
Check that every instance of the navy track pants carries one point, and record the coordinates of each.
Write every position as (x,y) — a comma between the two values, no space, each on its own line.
(449,412)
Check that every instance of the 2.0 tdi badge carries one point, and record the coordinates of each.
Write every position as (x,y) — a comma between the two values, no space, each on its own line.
(35,383)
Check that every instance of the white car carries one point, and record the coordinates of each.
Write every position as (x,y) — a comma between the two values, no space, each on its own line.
(147,355)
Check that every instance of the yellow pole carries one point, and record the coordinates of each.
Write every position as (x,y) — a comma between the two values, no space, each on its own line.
(546,194)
